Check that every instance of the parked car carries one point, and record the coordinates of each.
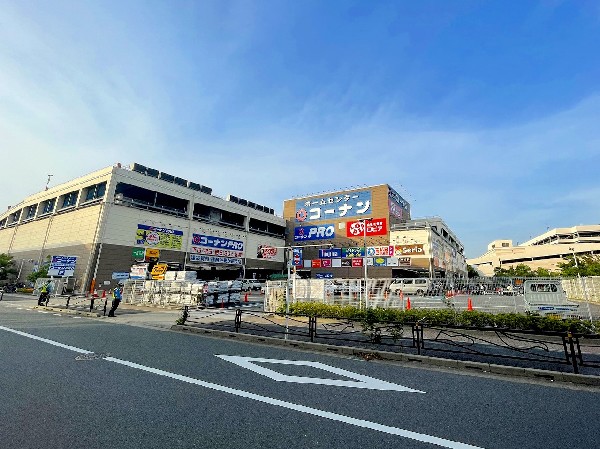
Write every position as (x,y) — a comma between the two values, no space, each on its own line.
(410,286)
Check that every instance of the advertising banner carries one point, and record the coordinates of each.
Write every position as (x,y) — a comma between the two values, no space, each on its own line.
(138,253)
(379,261)
(139,271)
(404,261)
(201,258)
(216,252)
(353,252)
(346,262)
(376,226)
(158,237)
(326,263)
(409,250)
(315,263)
(331,253)
(152,253)
(297,257)
(357,262)
(340,205)
(380,251)
(321,232)
(119,275)
(210,241)
(336,263)
(266,252)
(158,271)
(324,275)
(63,266)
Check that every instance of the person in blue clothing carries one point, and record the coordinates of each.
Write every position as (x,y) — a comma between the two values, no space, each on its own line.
(117,296)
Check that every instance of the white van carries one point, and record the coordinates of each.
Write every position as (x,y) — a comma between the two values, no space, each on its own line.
(410,286)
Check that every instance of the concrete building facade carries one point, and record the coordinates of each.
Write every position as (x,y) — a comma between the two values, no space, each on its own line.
(117,216)
(334,234)
(544,251)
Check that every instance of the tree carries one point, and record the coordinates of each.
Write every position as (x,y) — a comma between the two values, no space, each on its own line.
(523,271)
(7,266)
(472,272)
(42,272)
(585,265)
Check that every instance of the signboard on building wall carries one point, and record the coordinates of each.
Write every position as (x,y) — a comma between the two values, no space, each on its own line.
(321,232)
(158,237)
(331,253)
(138,253)
(139,271)
(324,275)
(216,252)
(152,253)
(380,251)
(201,258)
(297,257)
(158,271)
(409,250)
(335,206)
(353,252)
(398,206)
(376,226)
(63,266)
(210,241)
(266,252)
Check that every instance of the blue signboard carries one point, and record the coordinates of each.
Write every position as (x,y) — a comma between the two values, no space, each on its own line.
(335,206)
(324,275)
(297,257)
(120,275)
(215,259)
(321,232)
(331,253)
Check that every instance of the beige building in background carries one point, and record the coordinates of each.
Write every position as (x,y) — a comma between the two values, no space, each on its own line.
(544,251)
(106,217)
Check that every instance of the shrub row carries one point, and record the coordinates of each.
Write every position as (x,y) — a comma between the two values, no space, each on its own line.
(436,317)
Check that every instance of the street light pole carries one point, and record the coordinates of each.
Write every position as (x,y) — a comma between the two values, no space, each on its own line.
(583,287)
(364,222)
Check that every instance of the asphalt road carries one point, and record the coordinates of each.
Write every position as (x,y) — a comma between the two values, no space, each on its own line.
(77,382)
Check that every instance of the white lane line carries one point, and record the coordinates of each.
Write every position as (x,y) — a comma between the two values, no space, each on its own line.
(422,437)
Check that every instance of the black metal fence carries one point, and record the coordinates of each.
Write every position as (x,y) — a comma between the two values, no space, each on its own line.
(563,351)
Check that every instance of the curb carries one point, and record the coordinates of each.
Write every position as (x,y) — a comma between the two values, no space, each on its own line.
(531,373)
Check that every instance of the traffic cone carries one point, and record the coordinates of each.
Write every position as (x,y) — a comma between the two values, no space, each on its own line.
(469,305)
(408,303)
(246,297)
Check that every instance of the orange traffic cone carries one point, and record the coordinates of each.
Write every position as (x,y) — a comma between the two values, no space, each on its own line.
(469,304)
(408,303)
(246,297)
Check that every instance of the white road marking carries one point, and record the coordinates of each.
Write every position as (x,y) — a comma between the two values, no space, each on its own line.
(422,437)
(360,381)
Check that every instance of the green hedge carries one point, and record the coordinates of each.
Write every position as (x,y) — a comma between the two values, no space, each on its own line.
(436,317)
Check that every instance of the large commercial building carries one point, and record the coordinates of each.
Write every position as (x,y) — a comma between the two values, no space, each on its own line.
(544,251)
(94,228)
(333,234)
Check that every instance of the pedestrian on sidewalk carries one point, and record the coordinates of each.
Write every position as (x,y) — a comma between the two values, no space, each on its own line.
(117,295)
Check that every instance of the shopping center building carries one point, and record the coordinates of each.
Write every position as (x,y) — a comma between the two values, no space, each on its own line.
(333,234)
(94,228)
(546,250)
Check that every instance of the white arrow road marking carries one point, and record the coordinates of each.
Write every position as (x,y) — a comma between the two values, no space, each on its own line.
(359,381)
(422,437)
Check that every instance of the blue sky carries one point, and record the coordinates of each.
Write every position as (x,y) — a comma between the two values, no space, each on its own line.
(485,113)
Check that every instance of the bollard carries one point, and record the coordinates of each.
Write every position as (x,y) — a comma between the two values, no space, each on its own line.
(185,314)
(238,319)
(1,294)
(105,301)
(92,304)
(68,300)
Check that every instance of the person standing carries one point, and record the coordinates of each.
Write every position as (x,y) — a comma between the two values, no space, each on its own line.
(117,296)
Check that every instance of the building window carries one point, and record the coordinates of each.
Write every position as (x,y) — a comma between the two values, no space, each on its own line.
(48,206)
(95,192)
(14,217)
(69,199)
(505,245)
(31,210)
(3,223)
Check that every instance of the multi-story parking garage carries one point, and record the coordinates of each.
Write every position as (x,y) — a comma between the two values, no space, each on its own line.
(544,251)
(94,228)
